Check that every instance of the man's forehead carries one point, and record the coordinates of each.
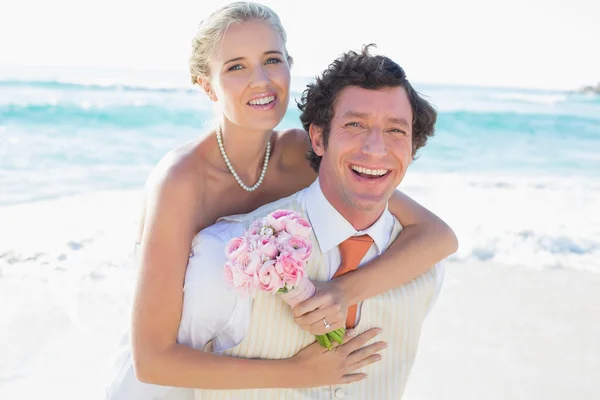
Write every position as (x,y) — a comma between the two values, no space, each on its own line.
(357,102)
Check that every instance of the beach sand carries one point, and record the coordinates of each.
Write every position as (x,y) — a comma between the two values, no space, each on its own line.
(66,276)
(500,332)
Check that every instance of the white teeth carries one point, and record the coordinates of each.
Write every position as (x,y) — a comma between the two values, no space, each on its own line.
(374,172)
(261,101)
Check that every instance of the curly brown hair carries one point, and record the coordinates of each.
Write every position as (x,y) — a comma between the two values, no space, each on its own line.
(369,72)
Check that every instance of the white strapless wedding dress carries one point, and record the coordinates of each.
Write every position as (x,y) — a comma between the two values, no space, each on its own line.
(123,384)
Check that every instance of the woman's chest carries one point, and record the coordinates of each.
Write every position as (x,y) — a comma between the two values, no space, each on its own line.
(224,196)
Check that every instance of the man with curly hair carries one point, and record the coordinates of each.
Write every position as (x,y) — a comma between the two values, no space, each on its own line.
(366,123)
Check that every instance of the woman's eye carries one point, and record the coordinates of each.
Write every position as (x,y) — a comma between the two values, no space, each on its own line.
(234,67)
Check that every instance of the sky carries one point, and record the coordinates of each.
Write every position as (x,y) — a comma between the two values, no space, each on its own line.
(515,43)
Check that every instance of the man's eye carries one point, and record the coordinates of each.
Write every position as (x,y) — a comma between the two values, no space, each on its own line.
(273,61)
(355,124)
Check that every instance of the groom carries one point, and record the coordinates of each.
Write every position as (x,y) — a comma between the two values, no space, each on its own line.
(365,123)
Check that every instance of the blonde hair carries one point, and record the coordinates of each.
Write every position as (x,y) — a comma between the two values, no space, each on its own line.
(211,31)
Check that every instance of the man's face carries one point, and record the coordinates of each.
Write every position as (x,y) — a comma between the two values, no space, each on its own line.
(368,151)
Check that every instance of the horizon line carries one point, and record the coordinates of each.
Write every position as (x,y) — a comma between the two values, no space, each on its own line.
(80,68)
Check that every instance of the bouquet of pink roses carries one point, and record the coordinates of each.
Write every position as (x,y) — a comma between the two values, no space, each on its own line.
(271,256)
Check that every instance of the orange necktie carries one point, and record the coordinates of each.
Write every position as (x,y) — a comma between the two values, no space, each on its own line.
(352,251)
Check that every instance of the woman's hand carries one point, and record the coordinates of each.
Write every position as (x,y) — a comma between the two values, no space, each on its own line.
(318,366)
(328,305)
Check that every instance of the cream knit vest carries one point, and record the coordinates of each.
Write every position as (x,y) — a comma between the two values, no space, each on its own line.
(274,335)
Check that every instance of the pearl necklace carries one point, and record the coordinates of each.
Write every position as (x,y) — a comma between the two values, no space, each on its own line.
(230,167)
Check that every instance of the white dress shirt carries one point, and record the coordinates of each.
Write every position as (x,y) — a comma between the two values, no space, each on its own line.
(212,311)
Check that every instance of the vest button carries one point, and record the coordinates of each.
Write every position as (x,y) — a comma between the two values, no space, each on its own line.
(340,394)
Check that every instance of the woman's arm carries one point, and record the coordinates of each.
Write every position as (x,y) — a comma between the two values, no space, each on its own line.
(424,241)
(169,227)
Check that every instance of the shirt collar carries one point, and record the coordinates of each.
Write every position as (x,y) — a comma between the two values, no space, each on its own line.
(331,228)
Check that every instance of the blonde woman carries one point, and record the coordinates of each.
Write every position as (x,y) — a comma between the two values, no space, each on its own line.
(239,58)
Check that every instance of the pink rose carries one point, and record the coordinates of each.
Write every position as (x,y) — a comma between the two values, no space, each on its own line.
(289,268)
(267,246)
(248,262)
(237,279)
(297,226)
(229,274)
(298,247)
(281,239)
(267,278)
(277,219)
(235,247)
(253,233)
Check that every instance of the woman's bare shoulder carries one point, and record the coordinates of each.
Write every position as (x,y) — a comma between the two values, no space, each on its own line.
(180,172)
(294,143)
(176,187)
(296,138)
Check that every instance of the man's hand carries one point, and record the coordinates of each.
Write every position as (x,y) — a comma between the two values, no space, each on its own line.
(328,305)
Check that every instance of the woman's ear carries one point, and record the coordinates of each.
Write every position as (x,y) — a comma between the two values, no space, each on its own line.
(316,139)
(205,84)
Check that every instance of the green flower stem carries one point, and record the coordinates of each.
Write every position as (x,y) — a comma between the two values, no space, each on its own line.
(327,339)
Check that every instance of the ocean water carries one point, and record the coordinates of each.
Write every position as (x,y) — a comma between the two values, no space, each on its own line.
(516,172)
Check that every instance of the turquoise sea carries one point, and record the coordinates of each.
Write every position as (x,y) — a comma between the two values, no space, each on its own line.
(503,165)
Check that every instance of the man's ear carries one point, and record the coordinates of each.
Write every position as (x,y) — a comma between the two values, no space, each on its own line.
(316,139)
(205,84)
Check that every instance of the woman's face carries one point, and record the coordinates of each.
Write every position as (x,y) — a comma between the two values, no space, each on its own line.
(250,75)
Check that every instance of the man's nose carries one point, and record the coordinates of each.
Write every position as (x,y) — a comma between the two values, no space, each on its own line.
(374,144)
